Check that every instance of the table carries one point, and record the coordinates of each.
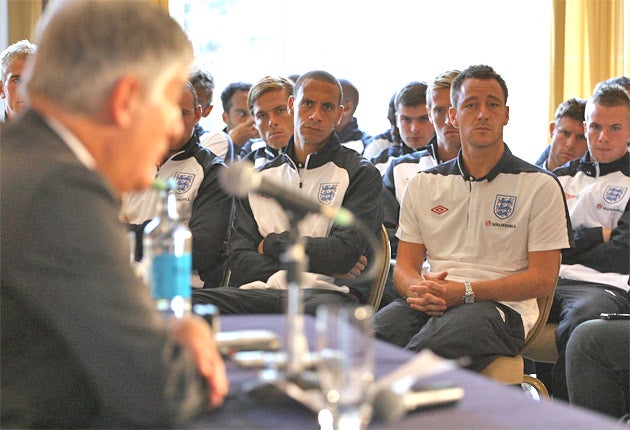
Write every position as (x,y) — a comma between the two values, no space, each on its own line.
(486,404)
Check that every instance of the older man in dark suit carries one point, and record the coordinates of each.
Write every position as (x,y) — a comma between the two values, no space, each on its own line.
(81,345)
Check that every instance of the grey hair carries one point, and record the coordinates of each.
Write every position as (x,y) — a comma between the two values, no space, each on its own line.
(86,47)
(20,50)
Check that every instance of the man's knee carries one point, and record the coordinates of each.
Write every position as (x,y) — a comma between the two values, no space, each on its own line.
(472,330)
(397,323)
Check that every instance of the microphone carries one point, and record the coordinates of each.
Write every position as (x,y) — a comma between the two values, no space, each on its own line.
(242,178)
(389,405)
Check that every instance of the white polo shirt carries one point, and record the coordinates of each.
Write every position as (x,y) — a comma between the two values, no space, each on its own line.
(484,229)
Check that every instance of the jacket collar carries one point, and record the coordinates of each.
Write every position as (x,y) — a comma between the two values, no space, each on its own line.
(318,158)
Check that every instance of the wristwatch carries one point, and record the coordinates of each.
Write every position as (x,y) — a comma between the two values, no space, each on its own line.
(469,295)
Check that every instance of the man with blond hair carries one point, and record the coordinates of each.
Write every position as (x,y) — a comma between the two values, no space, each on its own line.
(267,102)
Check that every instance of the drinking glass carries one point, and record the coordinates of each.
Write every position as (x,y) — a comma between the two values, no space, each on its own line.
(345,363)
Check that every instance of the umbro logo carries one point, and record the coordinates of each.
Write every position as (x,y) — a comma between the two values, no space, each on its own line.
(439,209)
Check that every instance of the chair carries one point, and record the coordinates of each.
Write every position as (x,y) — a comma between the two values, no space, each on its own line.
(510,370)
(378,284)
(225,281)
(542,350)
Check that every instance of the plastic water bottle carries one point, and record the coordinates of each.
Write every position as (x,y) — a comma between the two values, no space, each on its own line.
(167,247)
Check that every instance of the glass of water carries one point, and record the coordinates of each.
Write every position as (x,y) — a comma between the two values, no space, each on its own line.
(345,364)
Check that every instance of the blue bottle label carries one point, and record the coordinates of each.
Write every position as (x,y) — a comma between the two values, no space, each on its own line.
(170,276)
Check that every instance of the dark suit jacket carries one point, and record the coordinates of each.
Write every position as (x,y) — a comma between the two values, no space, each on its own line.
(80,344)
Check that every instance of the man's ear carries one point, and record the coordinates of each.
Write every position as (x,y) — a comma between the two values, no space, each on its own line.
(349,107)
(198,113)
(206,111)
(125,100)
(452,116)
(290,101)
(552,127)
(2,95)
(340,114)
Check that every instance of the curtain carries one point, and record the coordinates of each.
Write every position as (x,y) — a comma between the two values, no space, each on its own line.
(589,43)
(162,3)
(23,15)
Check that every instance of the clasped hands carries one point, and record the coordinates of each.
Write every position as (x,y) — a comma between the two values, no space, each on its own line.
(435,294)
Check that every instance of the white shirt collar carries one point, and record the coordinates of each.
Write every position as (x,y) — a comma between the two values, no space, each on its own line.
(73,143)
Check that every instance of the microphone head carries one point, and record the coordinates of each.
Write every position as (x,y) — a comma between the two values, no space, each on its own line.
(388,405)
(239,179)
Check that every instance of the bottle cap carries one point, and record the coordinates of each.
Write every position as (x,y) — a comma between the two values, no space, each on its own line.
(163,184)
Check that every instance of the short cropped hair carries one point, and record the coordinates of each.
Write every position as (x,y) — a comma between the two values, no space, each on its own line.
(266,84)
(624,81)
(610,95)
(480,71)
(391,109)
(572,108)
(412,94)
(228,92)
(318,75)
(85,47)
(350,92)
(191,89)
(20,50)
(442,81)
(203,81)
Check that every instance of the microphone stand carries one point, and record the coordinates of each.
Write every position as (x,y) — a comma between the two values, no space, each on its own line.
(295,381)
(295,261)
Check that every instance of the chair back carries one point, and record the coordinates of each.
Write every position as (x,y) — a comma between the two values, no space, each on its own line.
(542,346)
(378,284)
(544,307)
(510,370)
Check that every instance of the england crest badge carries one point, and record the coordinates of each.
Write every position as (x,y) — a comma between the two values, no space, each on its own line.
(614,194)
(327,193)
(504,206)
(183,182)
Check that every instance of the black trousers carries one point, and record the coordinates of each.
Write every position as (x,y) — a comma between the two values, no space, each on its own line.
(575,302)
(479,332)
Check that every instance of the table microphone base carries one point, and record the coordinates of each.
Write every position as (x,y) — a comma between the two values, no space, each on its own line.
(274,386)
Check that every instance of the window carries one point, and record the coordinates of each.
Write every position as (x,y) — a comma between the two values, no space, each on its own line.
(380,47)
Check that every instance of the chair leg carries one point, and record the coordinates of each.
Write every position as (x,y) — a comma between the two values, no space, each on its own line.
(537,385)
